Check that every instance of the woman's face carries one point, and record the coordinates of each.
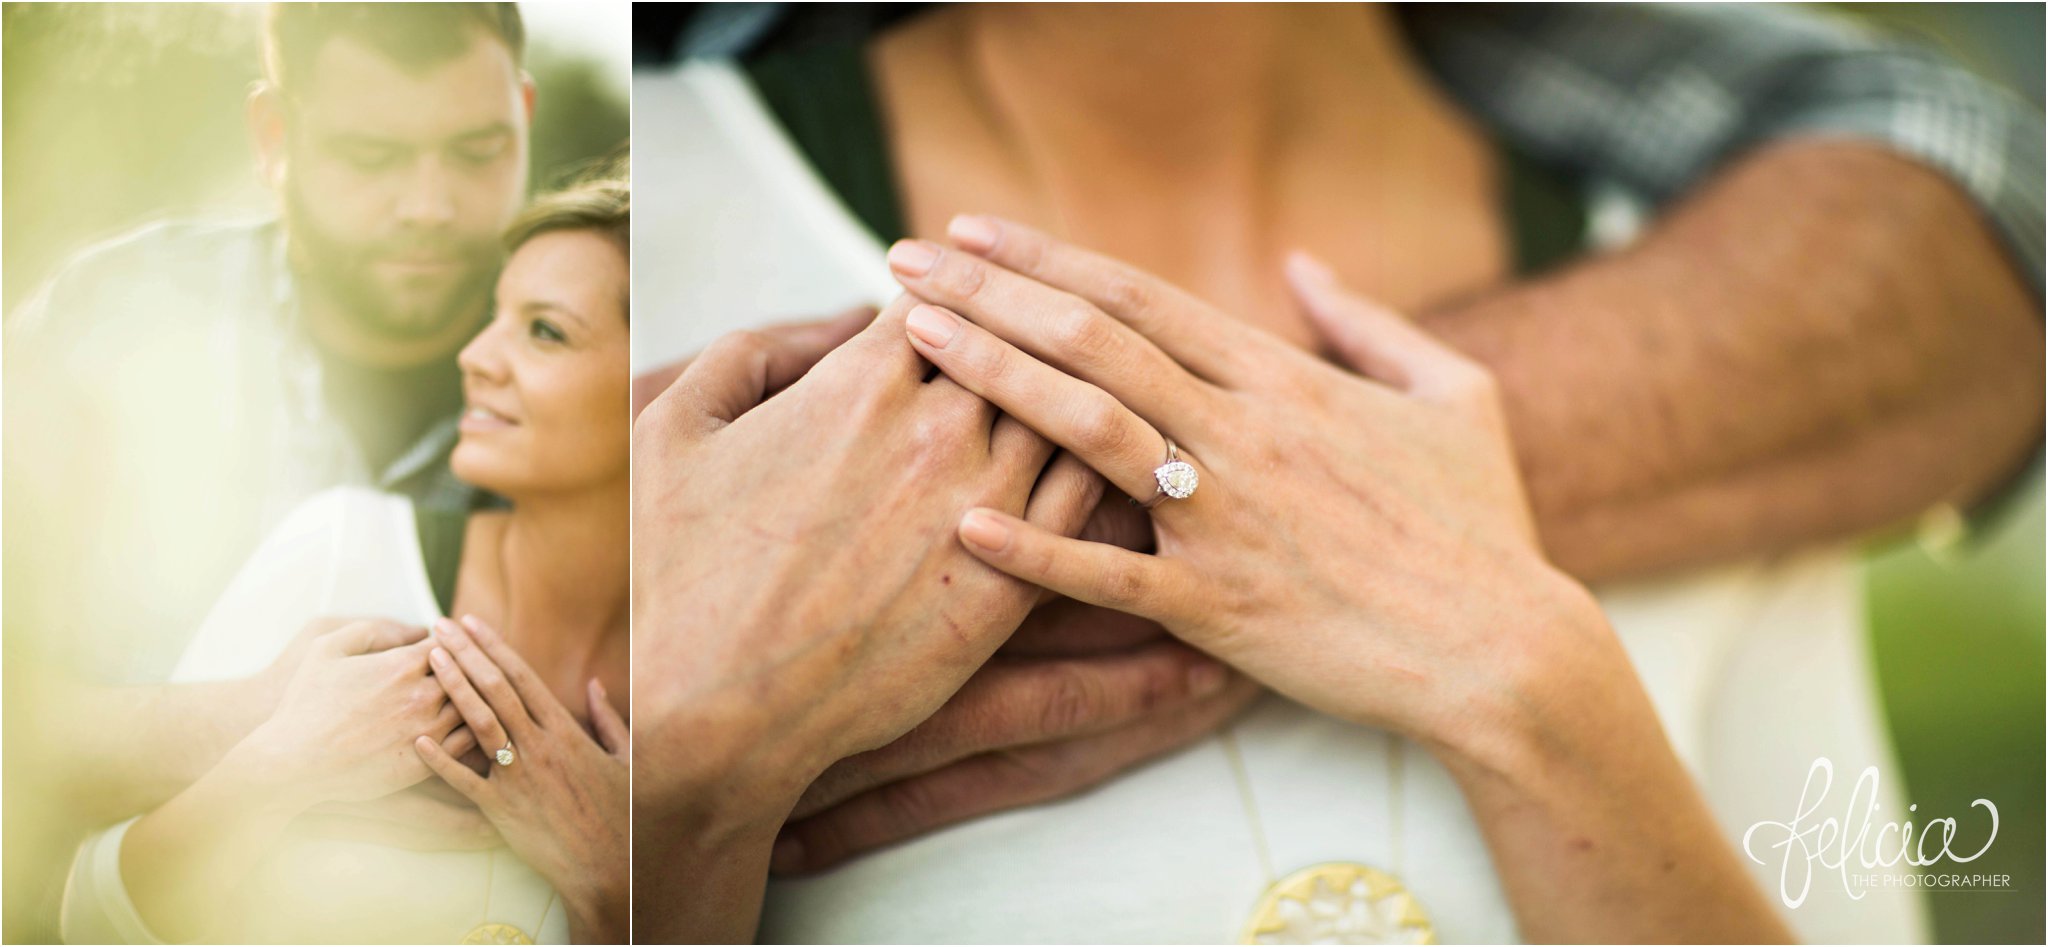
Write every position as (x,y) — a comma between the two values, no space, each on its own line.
(546,382)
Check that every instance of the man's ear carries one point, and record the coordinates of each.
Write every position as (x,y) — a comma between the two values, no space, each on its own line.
(527,95)
(264,114)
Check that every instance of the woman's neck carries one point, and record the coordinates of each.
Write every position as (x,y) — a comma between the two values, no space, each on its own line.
(561,588)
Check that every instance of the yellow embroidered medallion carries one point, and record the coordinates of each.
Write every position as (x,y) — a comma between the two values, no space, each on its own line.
(1339,903)
(490,933)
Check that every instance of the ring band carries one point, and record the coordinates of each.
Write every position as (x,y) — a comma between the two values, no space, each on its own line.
(505,756)
(1176,478)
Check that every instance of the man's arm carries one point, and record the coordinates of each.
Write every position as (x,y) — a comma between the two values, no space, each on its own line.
(128,749)
(1817,339)
(1824,340)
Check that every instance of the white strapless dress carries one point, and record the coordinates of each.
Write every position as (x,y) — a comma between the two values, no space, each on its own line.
(1756,668)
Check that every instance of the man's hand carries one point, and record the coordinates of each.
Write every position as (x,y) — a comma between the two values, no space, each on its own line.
(1077,695)
(1021,731)
(798,336)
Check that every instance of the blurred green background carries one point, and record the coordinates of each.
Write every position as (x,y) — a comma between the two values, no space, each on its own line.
(1957,628)
(120,114)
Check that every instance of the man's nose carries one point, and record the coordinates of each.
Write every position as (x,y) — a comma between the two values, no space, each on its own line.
(428,200)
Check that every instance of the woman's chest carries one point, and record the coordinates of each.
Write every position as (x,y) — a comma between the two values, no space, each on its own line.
(1398,194)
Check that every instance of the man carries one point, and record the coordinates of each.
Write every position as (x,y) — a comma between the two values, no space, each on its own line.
(173,392)
(1670,402)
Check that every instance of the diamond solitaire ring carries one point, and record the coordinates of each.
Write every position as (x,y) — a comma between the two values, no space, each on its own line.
(504,755)
(1177,478)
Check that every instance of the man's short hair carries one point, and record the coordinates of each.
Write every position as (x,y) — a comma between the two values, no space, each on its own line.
(413,35)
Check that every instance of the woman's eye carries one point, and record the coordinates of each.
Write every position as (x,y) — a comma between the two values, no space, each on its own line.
(541,329)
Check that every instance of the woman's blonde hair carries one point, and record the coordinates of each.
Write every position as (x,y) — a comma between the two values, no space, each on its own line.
(598,199)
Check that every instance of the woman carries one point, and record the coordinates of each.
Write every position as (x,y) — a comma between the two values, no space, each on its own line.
(250,852)
(961,116)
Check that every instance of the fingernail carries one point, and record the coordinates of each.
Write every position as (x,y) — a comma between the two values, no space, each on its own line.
(933,326)
(439,657)
(1306,266)
(450,633)
(476,626)
(1205,678)
(597,687)
(912,257)
(788,855)
(983,530)
(978,234)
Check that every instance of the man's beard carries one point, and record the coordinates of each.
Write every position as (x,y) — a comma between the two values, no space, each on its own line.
(344,274)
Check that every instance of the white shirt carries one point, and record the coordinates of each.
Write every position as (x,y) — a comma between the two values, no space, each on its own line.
(1755,668)
(345,552)
(159,390)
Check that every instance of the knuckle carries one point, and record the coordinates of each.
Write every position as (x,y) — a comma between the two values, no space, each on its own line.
(1028,253)
(910,805)
(962,274)
(985,360)
(1078,331)
(1158,686)
(741,343)
(488,679)
(1100,427)
(1124,293)
(1072,701)
(1027,772)
(1122,585)
(932,435)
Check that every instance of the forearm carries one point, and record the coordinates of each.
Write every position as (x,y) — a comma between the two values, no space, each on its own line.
(178,860)
(698,880)
(599,896)
(602,919)
(1823,341)
(131,749)
(1596,830)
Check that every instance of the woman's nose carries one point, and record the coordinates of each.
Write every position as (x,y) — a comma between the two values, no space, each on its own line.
(483,356)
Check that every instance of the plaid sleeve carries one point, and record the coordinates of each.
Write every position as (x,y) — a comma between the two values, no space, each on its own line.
(1654,97)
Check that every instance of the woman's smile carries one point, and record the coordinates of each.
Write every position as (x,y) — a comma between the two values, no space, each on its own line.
(478,419)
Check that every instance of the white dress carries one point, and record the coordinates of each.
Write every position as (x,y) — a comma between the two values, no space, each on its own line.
(1755,668)
(347,552)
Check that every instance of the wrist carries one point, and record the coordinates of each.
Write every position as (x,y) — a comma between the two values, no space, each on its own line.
(274,773)
(1550,693)
(598,913)
(722,775)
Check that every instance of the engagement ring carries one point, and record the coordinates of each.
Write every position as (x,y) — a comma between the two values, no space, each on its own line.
(1177,478)
(504,755)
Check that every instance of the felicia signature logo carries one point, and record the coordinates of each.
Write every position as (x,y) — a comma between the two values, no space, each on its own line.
(1829,843)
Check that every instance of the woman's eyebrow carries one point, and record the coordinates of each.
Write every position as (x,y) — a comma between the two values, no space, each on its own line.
(539,307)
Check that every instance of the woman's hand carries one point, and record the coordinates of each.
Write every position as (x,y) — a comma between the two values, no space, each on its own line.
(345,723)
(562,803)
(1359,544)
